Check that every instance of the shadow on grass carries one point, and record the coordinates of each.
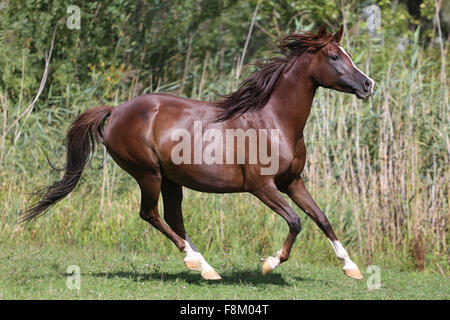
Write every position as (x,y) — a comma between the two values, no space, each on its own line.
(249,277)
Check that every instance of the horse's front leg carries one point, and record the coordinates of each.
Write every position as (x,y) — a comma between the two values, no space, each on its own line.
(300,195)
(270,195)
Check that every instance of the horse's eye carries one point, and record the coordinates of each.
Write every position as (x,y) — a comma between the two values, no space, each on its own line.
(334,57)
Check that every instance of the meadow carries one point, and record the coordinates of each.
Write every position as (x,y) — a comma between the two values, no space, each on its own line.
(31,272)
(378,169)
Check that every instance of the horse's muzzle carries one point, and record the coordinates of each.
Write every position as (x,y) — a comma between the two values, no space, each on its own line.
(365,90)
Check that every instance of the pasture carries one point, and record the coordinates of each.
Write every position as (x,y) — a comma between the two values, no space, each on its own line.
(40,273)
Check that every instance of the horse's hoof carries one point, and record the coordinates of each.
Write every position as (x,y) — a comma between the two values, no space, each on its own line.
(266,268)
(211,275)
(270,264)
(353,273)
(193,265)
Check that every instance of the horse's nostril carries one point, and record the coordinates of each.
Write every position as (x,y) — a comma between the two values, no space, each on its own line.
(367,85)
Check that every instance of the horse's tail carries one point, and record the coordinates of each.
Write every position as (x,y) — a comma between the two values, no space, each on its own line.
(81,139)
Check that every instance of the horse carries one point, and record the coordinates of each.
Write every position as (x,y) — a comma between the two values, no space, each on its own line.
(143,137)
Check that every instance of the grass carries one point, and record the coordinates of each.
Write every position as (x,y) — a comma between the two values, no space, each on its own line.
(32,272)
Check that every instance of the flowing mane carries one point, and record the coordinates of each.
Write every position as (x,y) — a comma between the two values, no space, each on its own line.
(255,91)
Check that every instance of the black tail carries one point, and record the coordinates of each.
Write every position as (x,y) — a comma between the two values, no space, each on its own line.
(82,138)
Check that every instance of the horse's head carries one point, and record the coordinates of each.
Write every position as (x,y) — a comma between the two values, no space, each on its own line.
(332,67)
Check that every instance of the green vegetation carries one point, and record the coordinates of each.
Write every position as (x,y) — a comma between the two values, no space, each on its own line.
(378,169)
(40,273)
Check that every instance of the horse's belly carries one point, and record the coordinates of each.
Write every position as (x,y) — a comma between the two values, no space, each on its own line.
(221,178)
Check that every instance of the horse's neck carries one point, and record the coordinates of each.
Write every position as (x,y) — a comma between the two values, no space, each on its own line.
(292,98)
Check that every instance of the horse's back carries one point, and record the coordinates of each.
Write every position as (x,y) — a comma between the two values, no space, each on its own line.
(149,104)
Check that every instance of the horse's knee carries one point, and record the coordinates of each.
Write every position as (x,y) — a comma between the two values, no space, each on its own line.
(294,224)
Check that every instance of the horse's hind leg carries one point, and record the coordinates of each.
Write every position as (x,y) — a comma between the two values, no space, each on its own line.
(150,185)
(172,194)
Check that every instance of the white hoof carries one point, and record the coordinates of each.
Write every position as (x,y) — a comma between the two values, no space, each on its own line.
(353,273)
(195,261)
(269,264)
(211,275)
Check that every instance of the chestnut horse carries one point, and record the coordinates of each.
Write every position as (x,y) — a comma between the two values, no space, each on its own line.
(139,136)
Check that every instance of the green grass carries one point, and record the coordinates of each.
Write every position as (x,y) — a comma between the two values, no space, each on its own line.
(28,272)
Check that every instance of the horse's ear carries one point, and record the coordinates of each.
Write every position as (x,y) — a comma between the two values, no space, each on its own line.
(322,31)
(338,34)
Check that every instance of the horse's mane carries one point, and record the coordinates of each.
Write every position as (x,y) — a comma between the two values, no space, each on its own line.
(255,91)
